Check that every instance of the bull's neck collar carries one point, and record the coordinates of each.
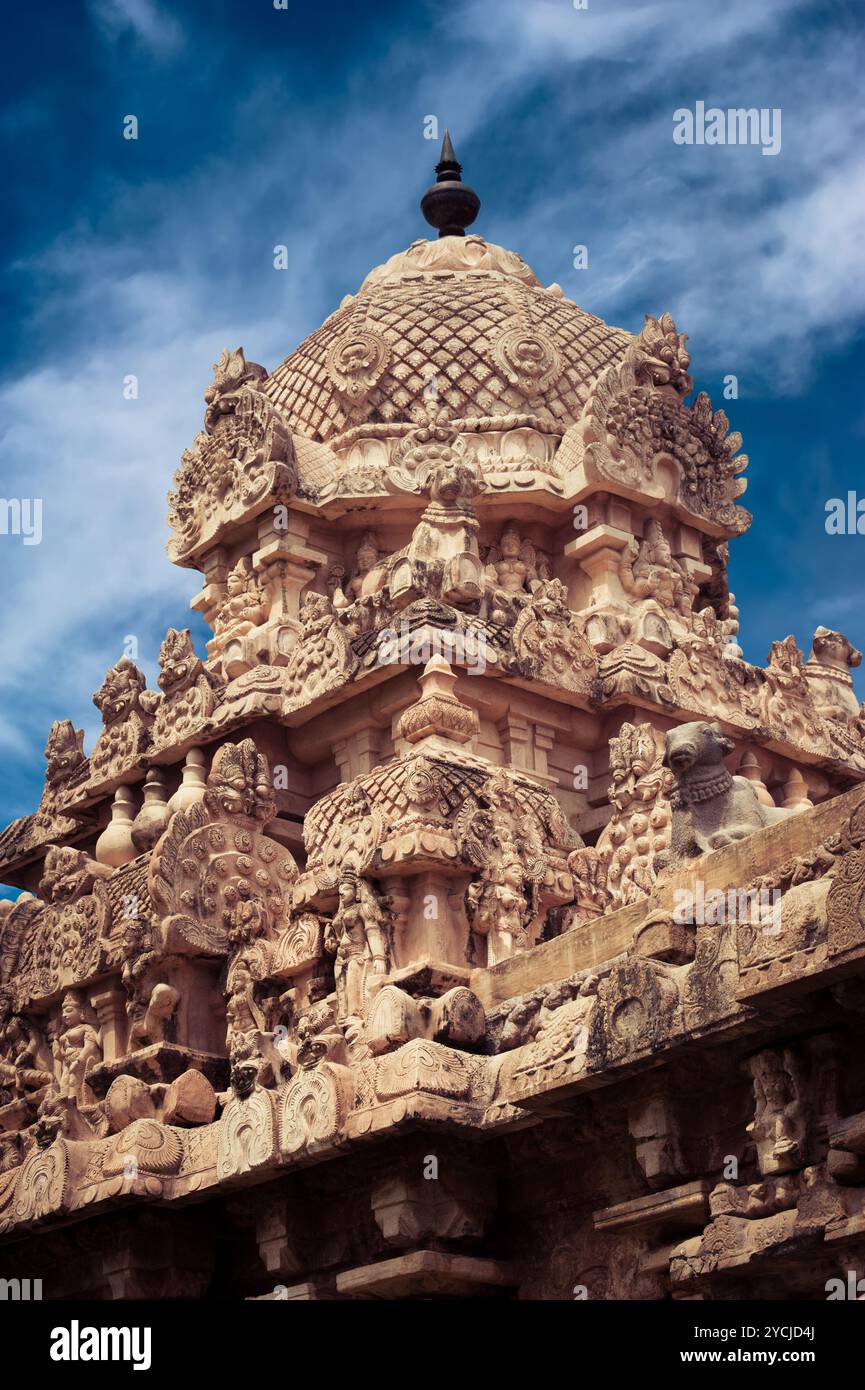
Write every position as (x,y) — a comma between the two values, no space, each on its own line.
(702,786)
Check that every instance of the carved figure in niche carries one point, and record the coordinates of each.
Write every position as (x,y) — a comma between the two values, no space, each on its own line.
(141,961)
(510,575)
(779,1124)
(648,570)
(243,608)
(250,1040)
(711,808)
(26,1063)
(78,1047)
(357,937)
(369,575)
(498,905)
(509,844)
(242,1012)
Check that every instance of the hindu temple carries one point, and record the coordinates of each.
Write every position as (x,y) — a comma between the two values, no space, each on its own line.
(470,919)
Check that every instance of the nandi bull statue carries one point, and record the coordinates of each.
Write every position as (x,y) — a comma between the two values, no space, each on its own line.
(710,806)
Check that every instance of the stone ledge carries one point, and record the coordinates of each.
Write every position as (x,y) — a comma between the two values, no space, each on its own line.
(427,1272)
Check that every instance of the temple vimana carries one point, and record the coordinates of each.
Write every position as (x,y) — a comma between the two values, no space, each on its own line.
(474,921)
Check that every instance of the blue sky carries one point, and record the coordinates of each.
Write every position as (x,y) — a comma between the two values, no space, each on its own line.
(305,126)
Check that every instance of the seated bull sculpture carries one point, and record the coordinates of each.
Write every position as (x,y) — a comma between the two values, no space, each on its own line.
(711,807)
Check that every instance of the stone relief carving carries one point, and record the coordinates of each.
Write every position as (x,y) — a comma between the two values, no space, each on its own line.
(547,643)
(243,458)
(77,1048)
(217,878)
(188,696)
(442,559)
(65,763)
(126,722)
(711,807)
(60,941)
(702,679)
(640,827)
(648,571)
(244,609)
(827,672)
(195,1010)
(357,938)
(512,569)
(785,701)
(501,841)
(634,415)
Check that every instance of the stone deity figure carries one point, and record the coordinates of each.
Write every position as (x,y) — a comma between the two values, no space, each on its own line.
(778,1126)
(363,580)
(357,935)
(243,608)
(25,1061)
(252,1045)
(242,1011)
(648,570)
(510,575)
(78,1047)
(497,904)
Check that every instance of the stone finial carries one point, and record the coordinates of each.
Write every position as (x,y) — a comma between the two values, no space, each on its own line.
(449,205)
(750,767)
(192,785)
(796,792)
(115,845)
(154,815)
(438,712)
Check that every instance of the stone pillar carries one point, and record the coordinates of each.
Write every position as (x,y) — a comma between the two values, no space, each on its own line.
(438,937)
(286,565)
(110,1009)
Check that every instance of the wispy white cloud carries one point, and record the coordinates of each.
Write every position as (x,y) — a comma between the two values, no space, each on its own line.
(149,24)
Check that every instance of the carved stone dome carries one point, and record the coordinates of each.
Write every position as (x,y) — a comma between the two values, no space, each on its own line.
(458,320)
